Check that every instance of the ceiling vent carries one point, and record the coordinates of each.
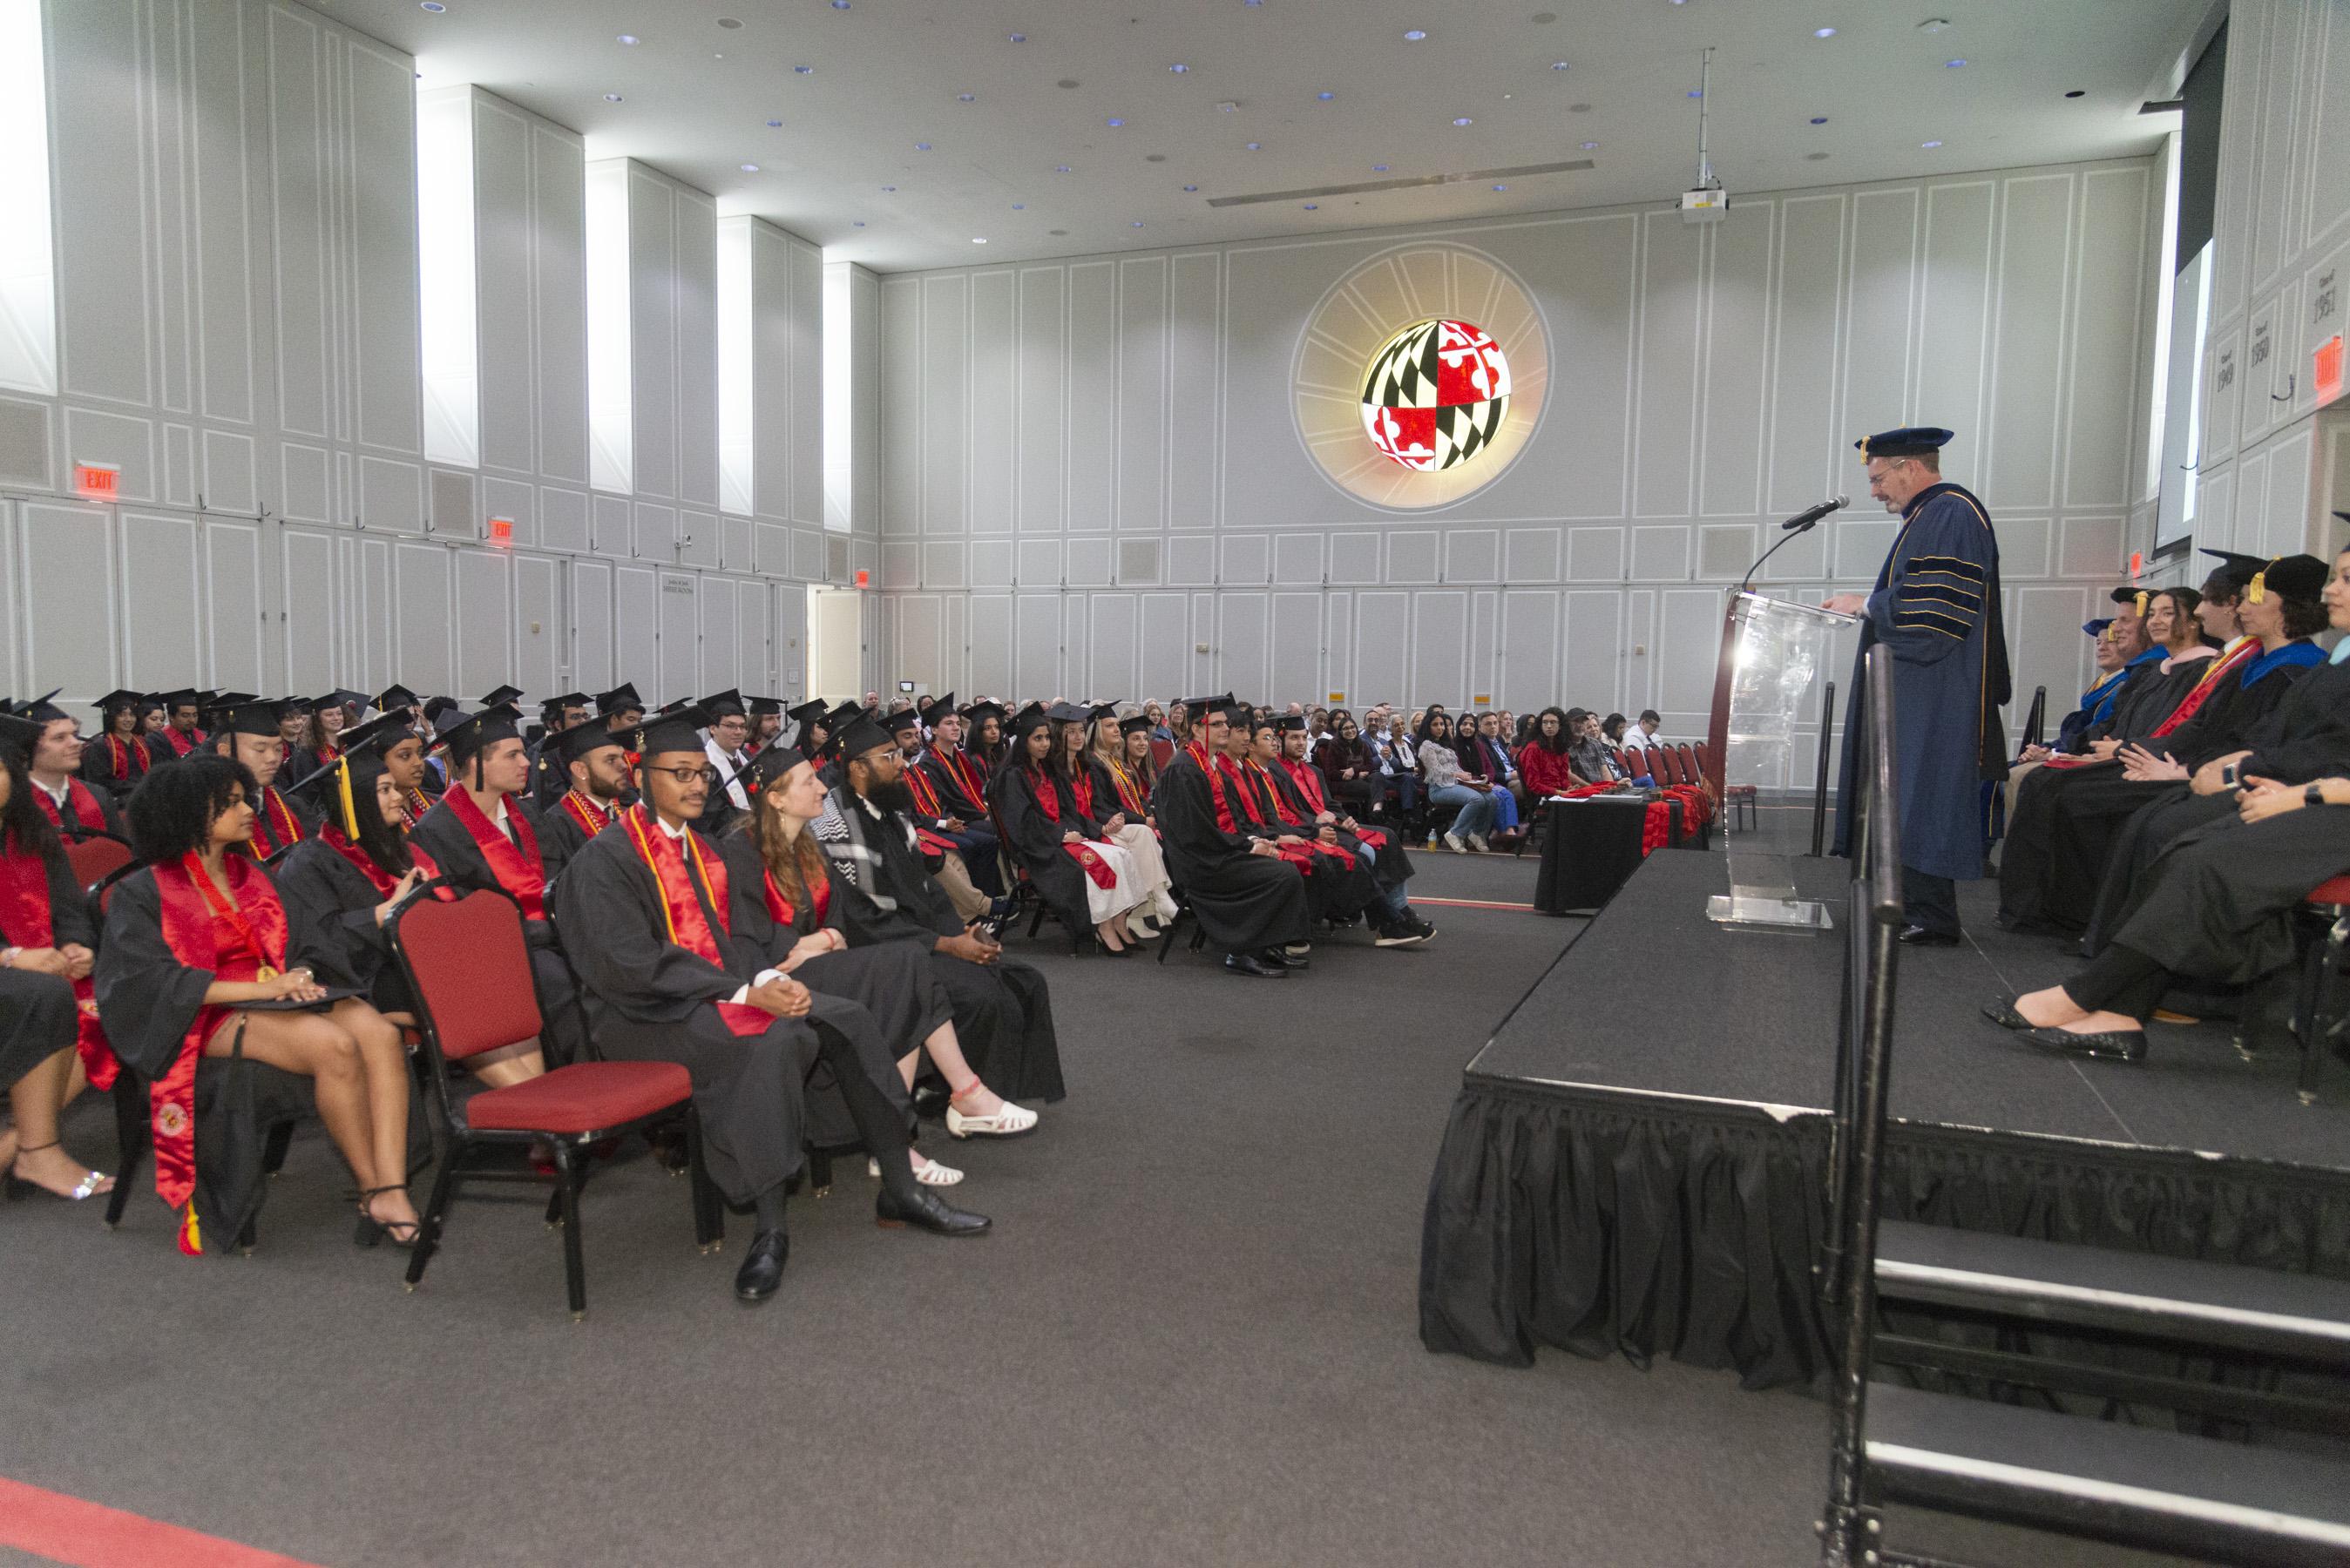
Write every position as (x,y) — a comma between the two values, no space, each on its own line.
(1407,182)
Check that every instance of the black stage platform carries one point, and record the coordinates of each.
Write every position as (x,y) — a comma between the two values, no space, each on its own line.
(1635,1161)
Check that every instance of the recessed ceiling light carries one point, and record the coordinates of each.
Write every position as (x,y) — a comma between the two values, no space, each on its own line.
(921,147)
(1544,18)
(1591,147)
(611,98)
(1378,168)
(860,223)
(1190,187)
(966,98)
(1415,36)
(1930,145)
(802,70)
(774,125)
(1697,92)
(1015,37)
(1256,147)
(1464,119)
(2076,92)
(977,240)
(1179,68)
(1057,230)
(840,4)
(435,6)
(1559,65)
(1823,32)
(1578,109)
(1952,65)
(1500,187)
(1819,120)
(1815,157)
(1326,97)
(1313,206)
(1137,222)
(730,23)
(1114,123)
(627,38)
(887,190)
(1155,157)
(1065,83)
(1228,107)
(1060,169)
(750,168)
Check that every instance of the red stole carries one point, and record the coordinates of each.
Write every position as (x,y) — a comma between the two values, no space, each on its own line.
(966,776)
(1130,791)
(926,795)
(1048,801)
(25,914)
(275,825)
(1289,819)
(380,879)
(519,871)
(181,742)
(88,816)
(2236,658)
(1081,788)
(121,753)
(1220,770)
(676,866)
(240,940)
(413,803)
(1309,780)
(780,908)
(592,816)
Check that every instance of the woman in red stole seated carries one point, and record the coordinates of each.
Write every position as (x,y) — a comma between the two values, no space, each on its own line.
(1084,878)
(198,962)
(45,962)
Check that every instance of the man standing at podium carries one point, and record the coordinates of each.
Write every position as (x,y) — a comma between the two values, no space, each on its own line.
(1936,607)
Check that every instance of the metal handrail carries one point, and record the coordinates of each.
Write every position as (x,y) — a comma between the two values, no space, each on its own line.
(1864,1065)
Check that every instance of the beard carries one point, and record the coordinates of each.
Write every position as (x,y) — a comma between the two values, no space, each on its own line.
(893,797)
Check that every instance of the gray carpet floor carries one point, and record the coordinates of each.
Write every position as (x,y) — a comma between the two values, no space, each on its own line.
(1190,1340)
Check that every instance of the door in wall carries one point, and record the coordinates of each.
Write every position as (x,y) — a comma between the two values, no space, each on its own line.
(835,639)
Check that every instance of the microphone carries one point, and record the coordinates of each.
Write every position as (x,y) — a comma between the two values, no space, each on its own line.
(1812,515)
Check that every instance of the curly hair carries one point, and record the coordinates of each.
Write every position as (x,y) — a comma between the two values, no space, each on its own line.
(172,809)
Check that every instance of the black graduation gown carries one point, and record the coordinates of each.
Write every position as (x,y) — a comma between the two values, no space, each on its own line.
(98,768)
(560,837)
(2145,704)
(461,860)
(331,902)
(548,777)
(1034,839)
(652,1000)
(1243,901)
(2217,903)
(70,825)
(1390,865)
(1003,1010)
(38,1012)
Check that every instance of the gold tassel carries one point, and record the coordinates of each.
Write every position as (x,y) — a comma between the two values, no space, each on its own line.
(2259,591)
(191,1239)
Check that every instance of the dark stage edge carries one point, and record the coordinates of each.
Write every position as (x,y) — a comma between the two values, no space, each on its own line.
(1636,1160)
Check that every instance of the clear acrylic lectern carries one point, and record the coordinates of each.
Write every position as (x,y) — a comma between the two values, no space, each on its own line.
(1777,649)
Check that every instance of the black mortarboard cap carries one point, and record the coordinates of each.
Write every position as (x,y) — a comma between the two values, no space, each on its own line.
(502,694)
(1909,442)
(903,720)
(393,698)
(726,704)
(291,705)
(577,742)
(44,709)
(1133,722)
(469,736)
(673,731)
(766,706)
(860,736)
(344,698)
(377,735)
(250,718)
(933,712)
(808,711)
(1289,722)
(1069,713)
(981,713)
(114,699)
(2289,576)
(769,765)
(20,735)
(185,697)
(621,698)
(2234,567)
(842,713)
(675,705)
(1028,714)
(1102,711)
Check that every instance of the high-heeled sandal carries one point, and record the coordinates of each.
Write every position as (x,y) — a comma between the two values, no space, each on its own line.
(372,1230)
(1007,1120)
(92,1183)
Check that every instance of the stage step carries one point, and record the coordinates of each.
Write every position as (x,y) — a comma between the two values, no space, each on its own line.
(2263,1311)
(2228,1503)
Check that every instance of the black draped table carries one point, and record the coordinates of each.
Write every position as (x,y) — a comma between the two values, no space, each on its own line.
(1591,846)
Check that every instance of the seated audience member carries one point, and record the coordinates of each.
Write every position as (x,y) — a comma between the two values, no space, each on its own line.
(403,758)
(1396,753)
(727,745)
(1350,772)
(1545,762)
(965,849)
(1088,752)
(198,961)
(2119,676)
(1588,754)
(1339,887)
(74,809)
(120,757)
(2061,833)
(594,766)
(1486,762)
(646,905)
(784,907)
(1085,880)
(1248,899)
(1644,733)
(49,1038)
(341,886)
(1302,790)
(485,834)
(2216,906)
(248,732)
(1439,766)
(178,734)
(297,762)
(621,711)
(1002,1008)
(1611,729)
(1125,755)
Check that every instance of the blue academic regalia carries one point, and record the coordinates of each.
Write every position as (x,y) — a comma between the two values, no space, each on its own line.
(1936,605)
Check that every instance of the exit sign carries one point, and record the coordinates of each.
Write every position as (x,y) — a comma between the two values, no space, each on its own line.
(501,530)
(864,579)
(98,481)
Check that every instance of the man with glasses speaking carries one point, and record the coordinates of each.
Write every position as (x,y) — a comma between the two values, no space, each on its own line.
(1936,605)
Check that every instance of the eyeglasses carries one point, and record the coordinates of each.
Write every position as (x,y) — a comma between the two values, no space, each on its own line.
(688,775)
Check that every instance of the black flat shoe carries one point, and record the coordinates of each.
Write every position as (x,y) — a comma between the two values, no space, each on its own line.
(2004,1014)
(2112,1045)
(763,1271)
(1920,937)
(1249,963)
(1281,959)
(928,1211)
(930,1101)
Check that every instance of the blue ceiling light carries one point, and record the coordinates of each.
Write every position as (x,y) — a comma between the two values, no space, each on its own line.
(1326,97)
(1929,146)
(966,98)
(921,147)
(1952,65)
(1559,65)
(840,4)
(1015,37)
(1591,147)
(1114,123)
(1500,187)
(860,223)
(1823,32)
(1697,92)
(774,125)
(1256,147)
(887,190)
(1819,120)
(750,168)
(802,70)
(1190,187)
(611,98)
(435,7)
(1313,206)
(1464,119)
(628,38)
(1179,70)
(1378,168)
(1415,36)
(1060,169)
(1019,206)
(1137,222)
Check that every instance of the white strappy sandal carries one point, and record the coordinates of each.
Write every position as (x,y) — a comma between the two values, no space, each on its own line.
(1007,1120)
(930,1173)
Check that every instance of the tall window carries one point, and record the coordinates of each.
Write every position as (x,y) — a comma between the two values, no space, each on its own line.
(610,391)
(444,270)
(839,400)
(736,441)
(28,292)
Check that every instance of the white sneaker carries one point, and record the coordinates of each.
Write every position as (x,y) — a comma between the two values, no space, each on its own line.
(1452,842)
(1477,842)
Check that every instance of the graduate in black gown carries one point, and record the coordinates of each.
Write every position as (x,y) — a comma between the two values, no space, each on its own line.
(645,910)
(883,892)
(200,961)
(74,807)
(1087,882)
(49,1041)
(1382,856)
(1337,888)
(558,716)
(784,910)
(250,733)
(299,762)
(1249,900)
(595,767)
(117,757)
(483,833)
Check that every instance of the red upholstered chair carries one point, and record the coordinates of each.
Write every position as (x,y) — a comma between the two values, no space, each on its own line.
(1161,754)
(95,857)
(1737,797)
(1636,764)
(469,969)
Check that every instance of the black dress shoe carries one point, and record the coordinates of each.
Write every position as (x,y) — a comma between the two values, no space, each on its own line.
(1920,937)
(1281,959)
(930,1101)
(929,1211)
(1249,963)
(763,1271)
(2112,1045)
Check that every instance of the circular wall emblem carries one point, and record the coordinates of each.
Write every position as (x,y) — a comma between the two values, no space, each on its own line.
(1419,376)
(1436,394)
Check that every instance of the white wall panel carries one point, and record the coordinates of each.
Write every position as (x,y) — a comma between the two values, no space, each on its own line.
(1296,646)
(946,305)
(423,618)
(681,637)
(1142,351)
(1244,646)
(307,566)
(1439,647)
(539,652)
(1090,455)
(160,644)
(1036,631)
(482,634)
(1529,648)
(636,629)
